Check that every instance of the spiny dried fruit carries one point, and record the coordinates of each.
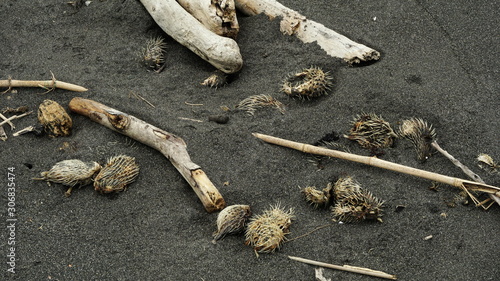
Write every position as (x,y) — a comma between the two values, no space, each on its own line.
(251,103)
(317,197)
(310,83)
(231,220)
(154,54)
(118,172)
(216,80)
(71,173)
(266,232)
(421,134)
(353,203)
(371,131)
(487,163)
(54,119)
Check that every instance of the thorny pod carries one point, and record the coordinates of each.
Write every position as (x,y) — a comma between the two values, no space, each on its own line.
(231,220)
(421,134)
(153,55)
(118,172)
(216,80)
(309,83)
(316,197)
(371,131)
(54,119)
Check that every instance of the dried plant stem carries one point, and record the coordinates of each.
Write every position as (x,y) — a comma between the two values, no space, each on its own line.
(465,169)
(12,127)
(376,162)
(45,84)
(170,145)
(349,268)
(14,117)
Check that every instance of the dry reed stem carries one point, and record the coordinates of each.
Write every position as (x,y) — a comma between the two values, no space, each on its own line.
(48,85)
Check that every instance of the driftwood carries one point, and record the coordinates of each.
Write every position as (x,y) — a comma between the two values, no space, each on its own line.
(308,31)
(170,145)
(376,162)
(221,52)
(45,84)
(219,16)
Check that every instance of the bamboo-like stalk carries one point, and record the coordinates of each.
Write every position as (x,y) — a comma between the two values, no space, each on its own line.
(45,84)
(170,145)
(349,268)
(376,162)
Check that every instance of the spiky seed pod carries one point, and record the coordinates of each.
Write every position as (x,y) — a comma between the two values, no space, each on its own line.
(371,131)
(345,186)
(118,172)
(216,80)
(231,220)
(153,55)
(310,83)
(487,163)
(358,206)
(71,172)
(266,232)
(251,103)
(421,134)
(317,197)
(54,119)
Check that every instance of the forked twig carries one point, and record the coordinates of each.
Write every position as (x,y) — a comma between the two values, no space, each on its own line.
(349,268)
(376,162)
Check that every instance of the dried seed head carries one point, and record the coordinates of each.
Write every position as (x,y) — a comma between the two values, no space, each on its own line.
(317,197)
(251,103)
(118,172)
(421,134)
(371,131)
(231,220)
(71,172)
(487,163)
(54,119)
(216,80)
(153,55)
(345,186)
(266,232)
(310,83)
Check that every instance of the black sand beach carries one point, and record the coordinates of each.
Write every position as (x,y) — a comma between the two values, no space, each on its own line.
(439,62)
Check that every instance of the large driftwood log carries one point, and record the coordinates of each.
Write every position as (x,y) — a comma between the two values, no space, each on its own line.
(217,15)
(376,162)
(308,31)
(221,52)
(170,145)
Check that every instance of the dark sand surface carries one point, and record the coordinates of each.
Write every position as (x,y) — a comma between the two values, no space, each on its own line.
(439,63)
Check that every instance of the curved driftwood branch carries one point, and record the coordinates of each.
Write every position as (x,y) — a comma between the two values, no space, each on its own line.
(221,52)
(217,15)
(170,145)
(376,162)
(308,31)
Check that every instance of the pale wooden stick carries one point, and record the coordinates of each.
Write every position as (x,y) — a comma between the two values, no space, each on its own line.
(349,268)
(308,31)
(14,117)
(465,169)
(170,145)
(221,52)
(219,16)
(46,84)
(12,127)
(376,162)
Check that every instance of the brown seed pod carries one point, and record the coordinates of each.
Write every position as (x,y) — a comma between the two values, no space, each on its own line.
(71,173)
(421,134)
(310,83)
(216,80)
(317,197)
(54,119)
(118,172)
(487,163)
(371,131)
(251,103)
(345,186)
(266,232)
(231,220)
(153,55)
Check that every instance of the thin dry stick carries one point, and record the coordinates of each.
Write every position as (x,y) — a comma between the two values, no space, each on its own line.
(349,268)
(376,162)
(310,232)
(14,117)
(12,127)
(170,145)
(467,171)
(45,84)
(143,99)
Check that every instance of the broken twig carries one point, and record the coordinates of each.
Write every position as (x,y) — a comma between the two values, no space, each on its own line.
(376,162)
(170,145)
(45,84)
